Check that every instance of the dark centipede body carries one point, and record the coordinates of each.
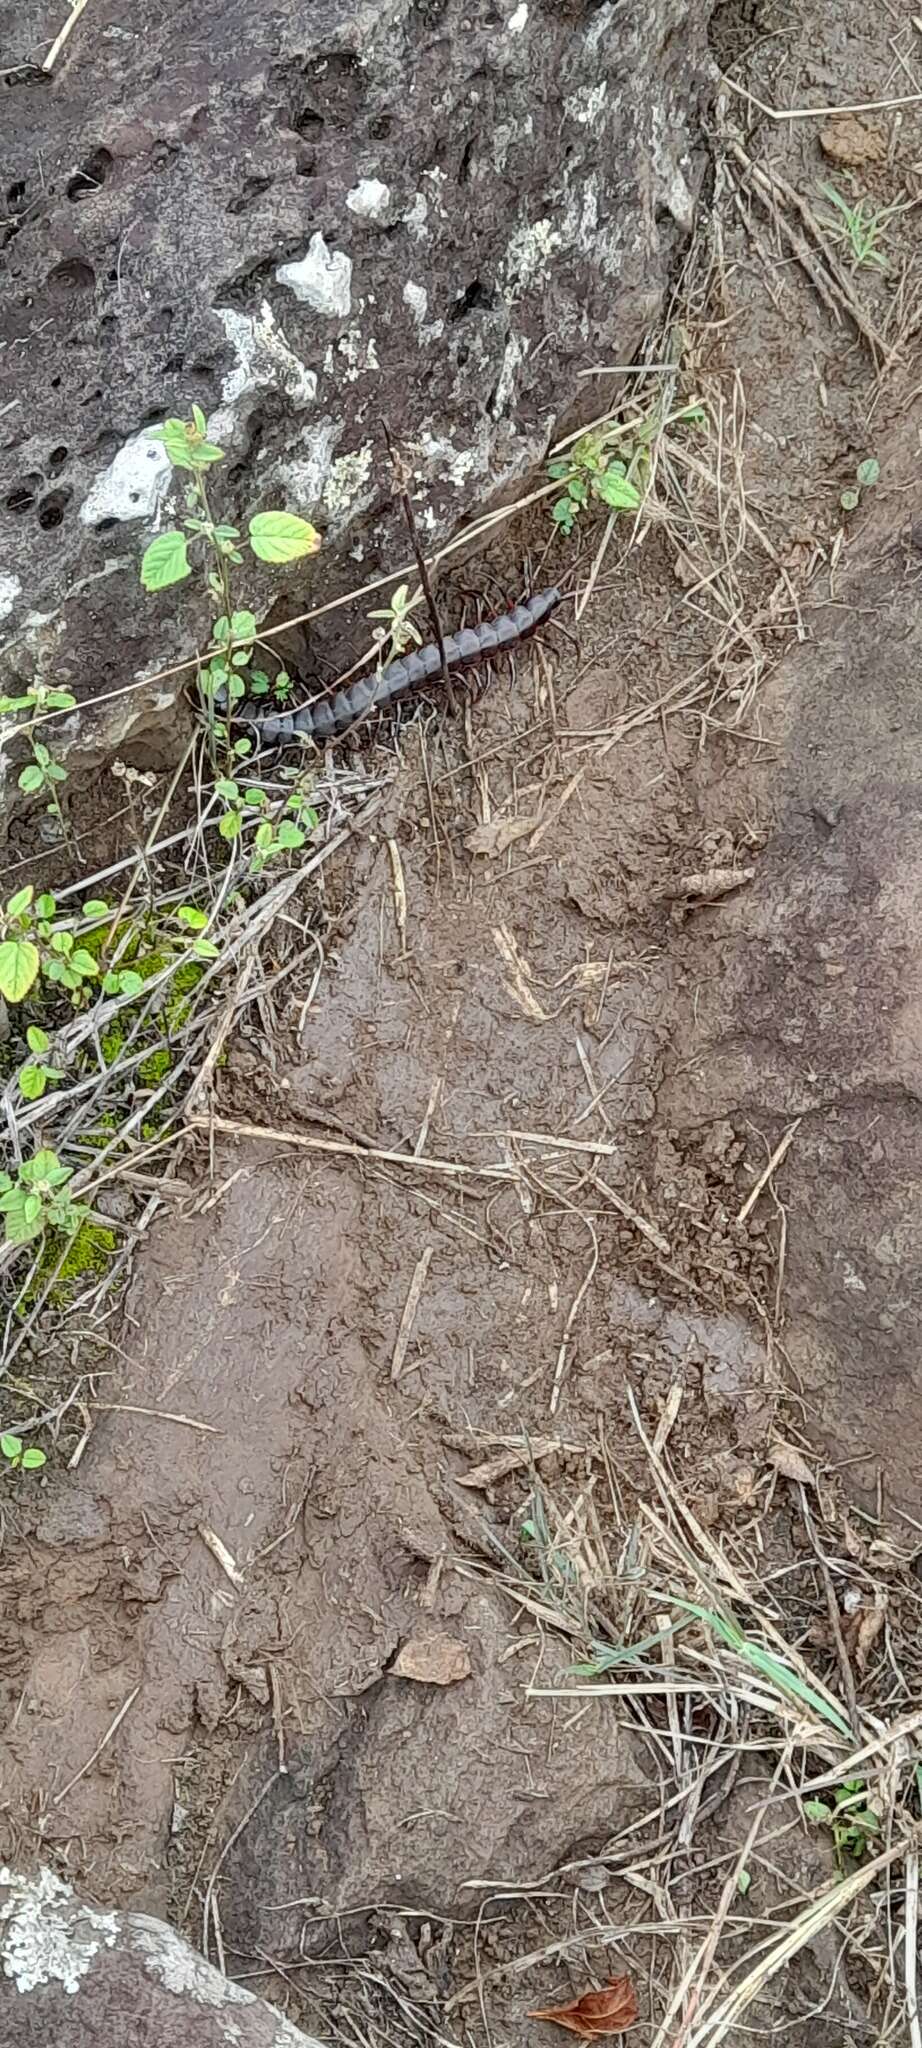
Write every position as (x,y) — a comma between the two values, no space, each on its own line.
(329,716)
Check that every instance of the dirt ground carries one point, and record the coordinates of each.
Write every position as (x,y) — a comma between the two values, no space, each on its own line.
(484,1196)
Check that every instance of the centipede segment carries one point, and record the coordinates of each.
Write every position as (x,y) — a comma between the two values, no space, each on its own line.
(329,717)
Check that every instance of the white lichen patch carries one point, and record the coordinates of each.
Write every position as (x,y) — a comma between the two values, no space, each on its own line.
(133,486)
(444,462)
(370,199)
(46,1935)
(358,355)
(417,298)
(10,589)
(417,217)
(588,107)
(346,484)
(517,21)
(264,362)
(177,1967)
(322,279)
(303,476)
(515,351)
(528,256)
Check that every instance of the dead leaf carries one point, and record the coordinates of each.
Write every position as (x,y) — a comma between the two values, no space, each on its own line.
(846,140)
(508,1461)
(598,2013)
(870,1624)
(501,832)
(432,1660)
(790,1465)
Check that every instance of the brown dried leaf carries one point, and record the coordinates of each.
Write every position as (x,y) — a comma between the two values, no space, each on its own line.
(790,1465)
(847,140)
(432,1660)
(870,1623)
(598,2013)
(501,832)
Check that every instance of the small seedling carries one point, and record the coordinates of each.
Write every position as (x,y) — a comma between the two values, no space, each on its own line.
(591,471)
(35,1075)
(43,772)
(19,1460)
(866,475)
(399,631)
(282,832)
(851,1820)
(862,227)
(37,1199)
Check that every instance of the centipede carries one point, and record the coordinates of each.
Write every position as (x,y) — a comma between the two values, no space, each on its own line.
(329,717)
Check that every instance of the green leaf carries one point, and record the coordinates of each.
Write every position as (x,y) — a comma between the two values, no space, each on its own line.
(229,790)
(243,626)
(37,1040)
(83,962)
(19,965)
(578,489)
(22,1223)
(96,907)
(31,778)
(564,514)
(743,1882)
(206,453)
(282,536)
(868,472)
(20,902)
(849,500)
(199,420)
(558,469)
(617,491)
(32,1460)
(290,835)
(130,983)
(45,905)
(40,1166)
(205,949)
(263,837)
(165,561)
(175,437)
(194,919)
(60,700)
(10,1445)
(32,1081)
(817,1809)
(229,825)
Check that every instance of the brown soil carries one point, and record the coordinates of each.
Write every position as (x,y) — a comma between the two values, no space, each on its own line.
(575,985)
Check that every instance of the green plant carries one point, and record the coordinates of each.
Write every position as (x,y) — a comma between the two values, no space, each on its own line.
(37,1199)
(17,1459)
(866,475)
(33,939)
(852,1822)
(35,1075)
(271,536)
(43,772)
(592,471)
(862,227)
(398,631)
(281,831)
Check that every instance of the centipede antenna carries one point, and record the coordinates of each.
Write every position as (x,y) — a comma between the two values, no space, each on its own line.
(400,483)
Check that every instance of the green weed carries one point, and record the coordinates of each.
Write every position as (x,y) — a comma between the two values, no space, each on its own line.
(852,1822)
(17,1459)
(866,475)
(861,227)
(38,1199)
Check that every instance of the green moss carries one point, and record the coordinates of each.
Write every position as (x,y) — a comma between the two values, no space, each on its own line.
(88,1252)
(155,1068)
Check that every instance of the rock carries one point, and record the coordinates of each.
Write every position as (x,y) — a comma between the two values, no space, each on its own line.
(78,1977)
(433,215)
